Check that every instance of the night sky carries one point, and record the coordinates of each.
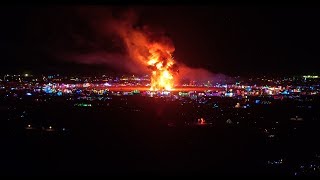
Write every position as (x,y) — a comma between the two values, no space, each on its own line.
(228,40)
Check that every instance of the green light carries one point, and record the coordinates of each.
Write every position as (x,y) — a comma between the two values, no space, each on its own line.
(82,105)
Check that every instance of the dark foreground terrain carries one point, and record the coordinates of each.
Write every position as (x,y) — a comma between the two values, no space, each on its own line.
(139,135)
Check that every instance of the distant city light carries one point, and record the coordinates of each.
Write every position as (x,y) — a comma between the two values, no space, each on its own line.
(311,77)
(107,84)
(59,93)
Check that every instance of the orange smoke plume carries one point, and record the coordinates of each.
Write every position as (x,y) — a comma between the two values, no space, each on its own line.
(151,49)
(146,50)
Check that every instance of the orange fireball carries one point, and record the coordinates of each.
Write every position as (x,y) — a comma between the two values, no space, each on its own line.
(151,49)
(161,64)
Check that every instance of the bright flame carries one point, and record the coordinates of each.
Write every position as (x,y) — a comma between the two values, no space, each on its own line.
(149,48)
(152,61)
(161,64)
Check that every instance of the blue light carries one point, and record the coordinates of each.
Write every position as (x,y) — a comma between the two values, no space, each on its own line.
(59,93)
(78,91)
(48,90)
(28,94)
(257,101)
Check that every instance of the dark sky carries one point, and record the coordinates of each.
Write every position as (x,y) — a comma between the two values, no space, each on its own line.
(229,40)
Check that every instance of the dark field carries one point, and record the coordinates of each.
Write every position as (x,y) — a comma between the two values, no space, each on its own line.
(138,135)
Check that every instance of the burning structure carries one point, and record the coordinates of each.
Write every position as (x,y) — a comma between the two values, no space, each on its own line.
(141,50)
(163,67)
(152,49)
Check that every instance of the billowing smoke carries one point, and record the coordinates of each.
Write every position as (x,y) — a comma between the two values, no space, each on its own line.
(139,43)
(187,74)
(118,61)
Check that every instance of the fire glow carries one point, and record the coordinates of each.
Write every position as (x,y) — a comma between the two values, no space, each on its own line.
(136,48)
(152,50)
(161,63)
